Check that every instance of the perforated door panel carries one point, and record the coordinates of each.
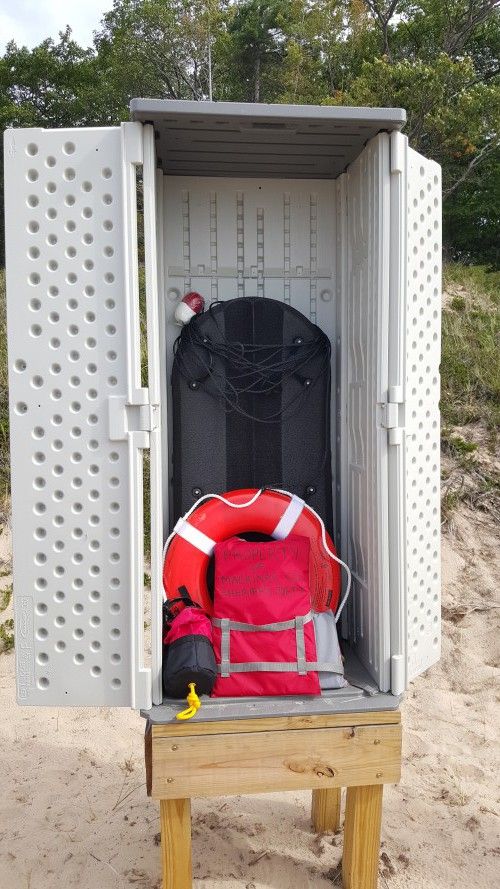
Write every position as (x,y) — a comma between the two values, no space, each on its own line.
(422,439)
(364,196)
(76,486)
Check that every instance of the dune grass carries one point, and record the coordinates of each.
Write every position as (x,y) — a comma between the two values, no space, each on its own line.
(470,365)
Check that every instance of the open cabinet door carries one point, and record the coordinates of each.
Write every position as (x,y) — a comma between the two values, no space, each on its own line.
(422,418)
(363,245)
(79,417)
(414,386)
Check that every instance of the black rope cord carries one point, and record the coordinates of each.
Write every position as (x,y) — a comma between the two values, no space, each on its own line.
(237,369)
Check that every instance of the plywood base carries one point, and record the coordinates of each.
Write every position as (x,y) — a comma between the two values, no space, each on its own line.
(268,757)
(322,753)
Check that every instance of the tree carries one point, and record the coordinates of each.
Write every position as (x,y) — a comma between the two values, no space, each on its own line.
(471,220)
(455,23)
(310,29)
(157,48)
(383,13)
(257,45)
(439,59)
(452,116)
(53,85)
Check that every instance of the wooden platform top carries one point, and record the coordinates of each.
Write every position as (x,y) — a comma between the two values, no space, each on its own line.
(193,727)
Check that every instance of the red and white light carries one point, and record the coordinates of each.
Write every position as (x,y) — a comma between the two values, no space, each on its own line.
(191,304)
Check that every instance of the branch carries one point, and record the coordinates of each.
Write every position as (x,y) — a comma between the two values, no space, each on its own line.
(383,16)
(181,76)
(463,27)
(488,75)
(485,150)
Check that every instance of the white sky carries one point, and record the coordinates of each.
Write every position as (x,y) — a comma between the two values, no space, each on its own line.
(29,22)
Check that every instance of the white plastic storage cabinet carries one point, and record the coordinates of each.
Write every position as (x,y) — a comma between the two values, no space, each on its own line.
(325,208)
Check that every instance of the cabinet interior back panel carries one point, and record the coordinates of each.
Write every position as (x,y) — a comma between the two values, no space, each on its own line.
(228,238)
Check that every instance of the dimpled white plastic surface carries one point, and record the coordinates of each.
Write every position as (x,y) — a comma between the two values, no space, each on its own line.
(71,485)
(363,472)
(423,354)
(241,237)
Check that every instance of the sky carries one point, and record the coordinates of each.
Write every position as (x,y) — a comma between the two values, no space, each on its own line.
(29,22)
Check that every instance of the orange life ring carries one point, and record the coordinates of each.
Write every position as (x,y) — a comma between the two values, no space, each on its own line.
(273,513)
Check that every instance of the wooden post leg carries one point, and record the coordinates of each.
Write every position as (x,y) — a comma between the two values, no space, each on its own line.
(325,810)
(175,822)
(363,819)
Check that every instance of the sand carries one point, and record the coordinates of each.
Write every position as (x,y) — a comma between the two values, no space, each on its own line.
(74,811)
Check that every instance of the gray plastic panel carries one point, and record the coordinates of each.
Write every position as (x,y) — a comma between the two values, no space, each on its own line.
(153,269)
(364,279)
(347,700)
(361,695)
(267,141)
(76,494)
(422,424)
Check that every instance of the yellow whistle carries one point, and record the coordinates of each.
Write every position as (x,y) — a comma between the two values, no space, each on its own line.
(194,704)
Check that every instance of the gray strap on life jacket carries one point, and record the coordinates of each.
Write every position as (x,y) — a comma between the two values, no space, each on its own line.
(225,654)
(225,668)
(257,628)
(301,646)
(279,667)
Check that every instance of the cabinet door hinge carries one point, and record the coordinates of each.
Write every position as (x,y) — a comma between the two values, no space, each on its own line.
(390,420)
(136,418)
(389,415)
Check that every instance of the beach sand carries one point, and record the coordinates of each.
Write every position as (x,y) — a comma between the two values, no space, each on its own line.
(74,810)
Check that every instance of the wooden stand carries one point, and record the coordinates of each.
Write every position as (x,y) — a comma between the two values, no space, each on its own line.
(360,751)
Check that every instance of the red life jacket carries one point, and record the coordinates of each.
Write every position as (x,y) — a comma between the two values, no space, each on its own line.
(263,632)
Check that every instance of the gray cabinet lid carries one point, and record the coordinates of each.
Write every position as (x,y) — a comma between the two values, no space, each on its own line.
(267,141)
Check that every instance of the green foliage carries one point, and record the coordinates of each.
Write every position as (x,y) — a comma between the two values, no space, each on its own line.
(256,47)
(7,634)
(146,468)
(469,482)
(470,369)
(471,218)
(449,502)
(470,392)
(481,283)
(5,597)
(457,445)
(156,48)
(436,58)
(53,84)
(452,118)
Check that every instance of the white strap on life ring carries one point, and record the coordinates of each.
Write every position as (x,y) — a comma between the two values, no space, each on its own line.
(206,545)
(195,537)
(289,518)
